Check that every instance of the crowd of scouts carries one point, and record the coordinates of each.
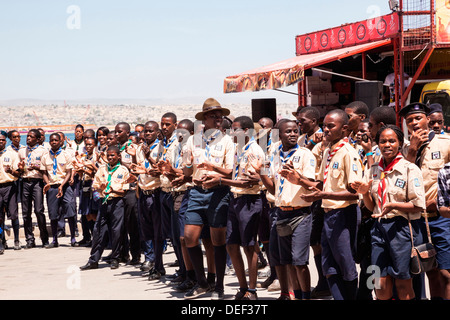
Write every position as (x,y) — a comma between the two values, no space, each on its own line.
(353,187)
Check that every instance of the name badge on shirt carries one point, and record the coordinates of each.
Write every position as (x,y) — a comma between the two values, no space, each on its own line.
(400,183)
(435,155)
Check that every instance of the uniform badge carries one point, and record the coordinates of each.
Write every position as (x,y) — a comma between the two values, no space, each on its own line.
(335,165)
(295,159)
(416,182)
(435,155)
(312,162)
(120,176)
(400,183)
(217,160)
(218,147)
(355,167)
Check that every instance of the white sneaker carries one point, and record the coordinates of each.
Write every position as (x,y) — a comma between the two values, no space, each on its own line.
(275,286)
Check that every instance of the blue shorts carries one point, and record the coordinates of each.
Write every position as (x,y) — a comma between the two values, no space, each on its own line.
(243,219)
(391,246)
(208,207)
(293,249)
(440,236)
(338,242)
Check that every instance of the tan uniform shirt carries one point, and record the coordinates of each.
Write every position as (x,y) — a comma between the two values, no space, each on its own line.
(88,160)
(219,150)
(118,180)
(243,165)
(433,158)
(11,159)
(146,181)
(403,184)
(32,158)
(179,155)
(344,168)
(126,158)
(303,140)
(64,163)
(286,193)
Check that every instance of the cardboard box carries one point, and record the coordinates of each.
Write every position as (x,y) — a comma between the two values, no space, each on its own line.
(331,98)
(313,99)
(316,85)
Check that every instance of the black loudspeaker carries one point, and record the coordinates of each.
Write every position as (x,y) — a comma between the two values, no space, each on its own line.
(370,92)
(264,108)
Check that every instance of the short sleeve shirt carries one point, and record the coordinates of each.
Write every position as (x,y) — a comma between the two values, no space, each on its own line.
(286,193)
(32,156)
(403,184)
(63,164)
(168,150)
(146,181)
(11,159)
(118,179)
(344,168)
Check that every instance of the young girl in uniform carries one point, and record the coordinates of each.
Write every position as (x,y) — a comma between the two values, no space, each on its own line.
(393,190)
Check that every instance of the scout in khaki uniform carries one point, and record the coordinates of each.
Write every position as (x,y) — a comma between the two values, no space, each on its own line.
(32,188)
(86,168)
(292,172)
(212,152)
(149,186)
(393,190)
(168,146)
(430,152)
(340,167)
(10,170)
(436,118)
(111,182)
(245,206)
(131,241)
(57,171)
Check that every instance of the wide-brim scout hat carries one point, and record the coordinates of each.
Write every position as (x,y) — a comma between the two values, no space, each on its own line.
(211,104)
(295,113)
(415,107)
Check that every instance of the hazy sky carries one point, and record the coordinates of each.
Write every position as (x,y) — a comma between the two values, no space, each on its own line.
(139,49)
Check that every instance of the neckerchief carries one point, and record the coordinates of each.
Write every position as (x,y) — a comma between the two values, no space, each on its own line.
(55,162)
(383,172)
(178,157)
(167,144)
(125,145)
(330,156)
(30,150)
(108,185)
(208,141)
(284,159)
(239,157)
(311,140)
(15,148)
(153,146)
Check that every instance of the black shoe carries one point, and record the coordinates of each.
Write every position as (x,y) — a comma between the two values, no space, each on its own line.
(52,245)
(75,244)
(30,245)
(107,259)
(197,291)
(17,245)
(89,266)
(61,234)
(2,248)
(154,275)
(134,262)
(185,286)
(114,264)
(147,265)
(177,280)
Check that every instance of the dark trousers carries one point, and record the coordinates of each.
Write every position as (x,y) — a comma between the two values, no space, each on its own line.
(32,194)
(8,204)
(151,224)
(109,226)
(66,203)
(130,238)
(171,224)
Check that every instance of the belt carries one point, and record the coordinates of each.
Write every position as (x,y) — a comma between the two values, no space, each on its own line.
(31,179)
(237,195)
(432,214)
(7,184)
(290,208)
(150,192)
(175,194)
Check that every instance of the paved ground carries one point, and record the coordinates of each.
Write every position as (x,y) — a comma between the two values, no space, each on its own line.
(53,274)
